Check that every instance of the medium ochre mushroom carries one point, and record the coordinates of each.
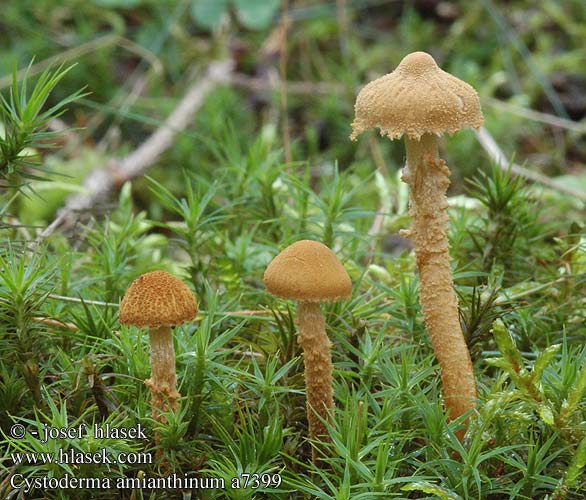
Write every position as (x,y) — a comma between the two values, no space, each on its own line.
(159,301)
(421,102)
(310,273)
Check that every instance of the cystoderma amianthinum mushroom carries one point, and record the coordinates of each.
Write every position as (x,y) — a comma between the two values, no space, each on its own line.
(422,102)
(310,273)
(159,301)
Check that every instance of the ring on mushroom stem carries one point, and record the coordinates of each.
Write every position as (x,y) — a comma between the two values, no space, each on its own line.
(159,301)
(422,102)
(309,273)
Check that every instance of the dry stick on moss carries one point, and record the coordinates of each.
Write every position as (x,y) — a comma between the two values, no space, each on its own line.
(239,312)
(102,181)
(538,116)
(486,140)
(55,322)
(422,102)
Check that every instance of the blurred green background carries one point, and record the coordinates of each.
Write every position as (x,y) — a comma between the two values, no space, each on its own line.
(136,57)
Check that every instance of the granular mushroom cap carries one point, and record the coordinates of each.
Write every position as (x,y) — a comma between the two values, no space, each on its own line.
(307,271)
(417,98)
(157,299)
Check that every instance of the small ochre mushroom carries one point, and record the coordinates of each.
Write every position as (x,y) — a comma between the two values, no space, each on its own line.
(422,102)
(310,273)
(159,301)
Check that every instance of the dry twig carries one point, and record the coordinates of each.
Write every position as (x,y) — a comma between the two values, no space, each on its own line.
(240,312)
(531,114)
(55,322)
(496,154)
(102,181)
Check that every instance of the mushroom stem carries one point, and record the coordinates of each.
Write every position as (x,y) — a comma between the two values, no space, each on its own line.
(163,380)
(428,179)
(317,359)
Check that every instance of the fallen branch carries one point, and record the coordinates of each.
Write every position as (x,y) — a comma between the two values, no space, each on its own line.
(531,114)
(56,322)
(99,183)
(496,154)
(240,312)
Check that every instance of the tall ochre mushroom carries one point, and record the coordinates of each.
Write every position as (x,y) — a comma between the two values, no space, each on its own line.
(421,102)
(159,301)
(309,272)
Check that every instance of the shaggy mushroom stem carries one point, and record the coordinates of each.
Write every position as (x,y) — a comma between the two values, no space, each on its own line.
(317,359)
(163,379)
(428,179)
(310,273)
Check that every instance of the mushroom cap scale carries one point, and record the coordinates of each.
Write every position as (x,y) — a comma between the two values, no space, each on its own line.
(307,271)
(157,299)
(417,98)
